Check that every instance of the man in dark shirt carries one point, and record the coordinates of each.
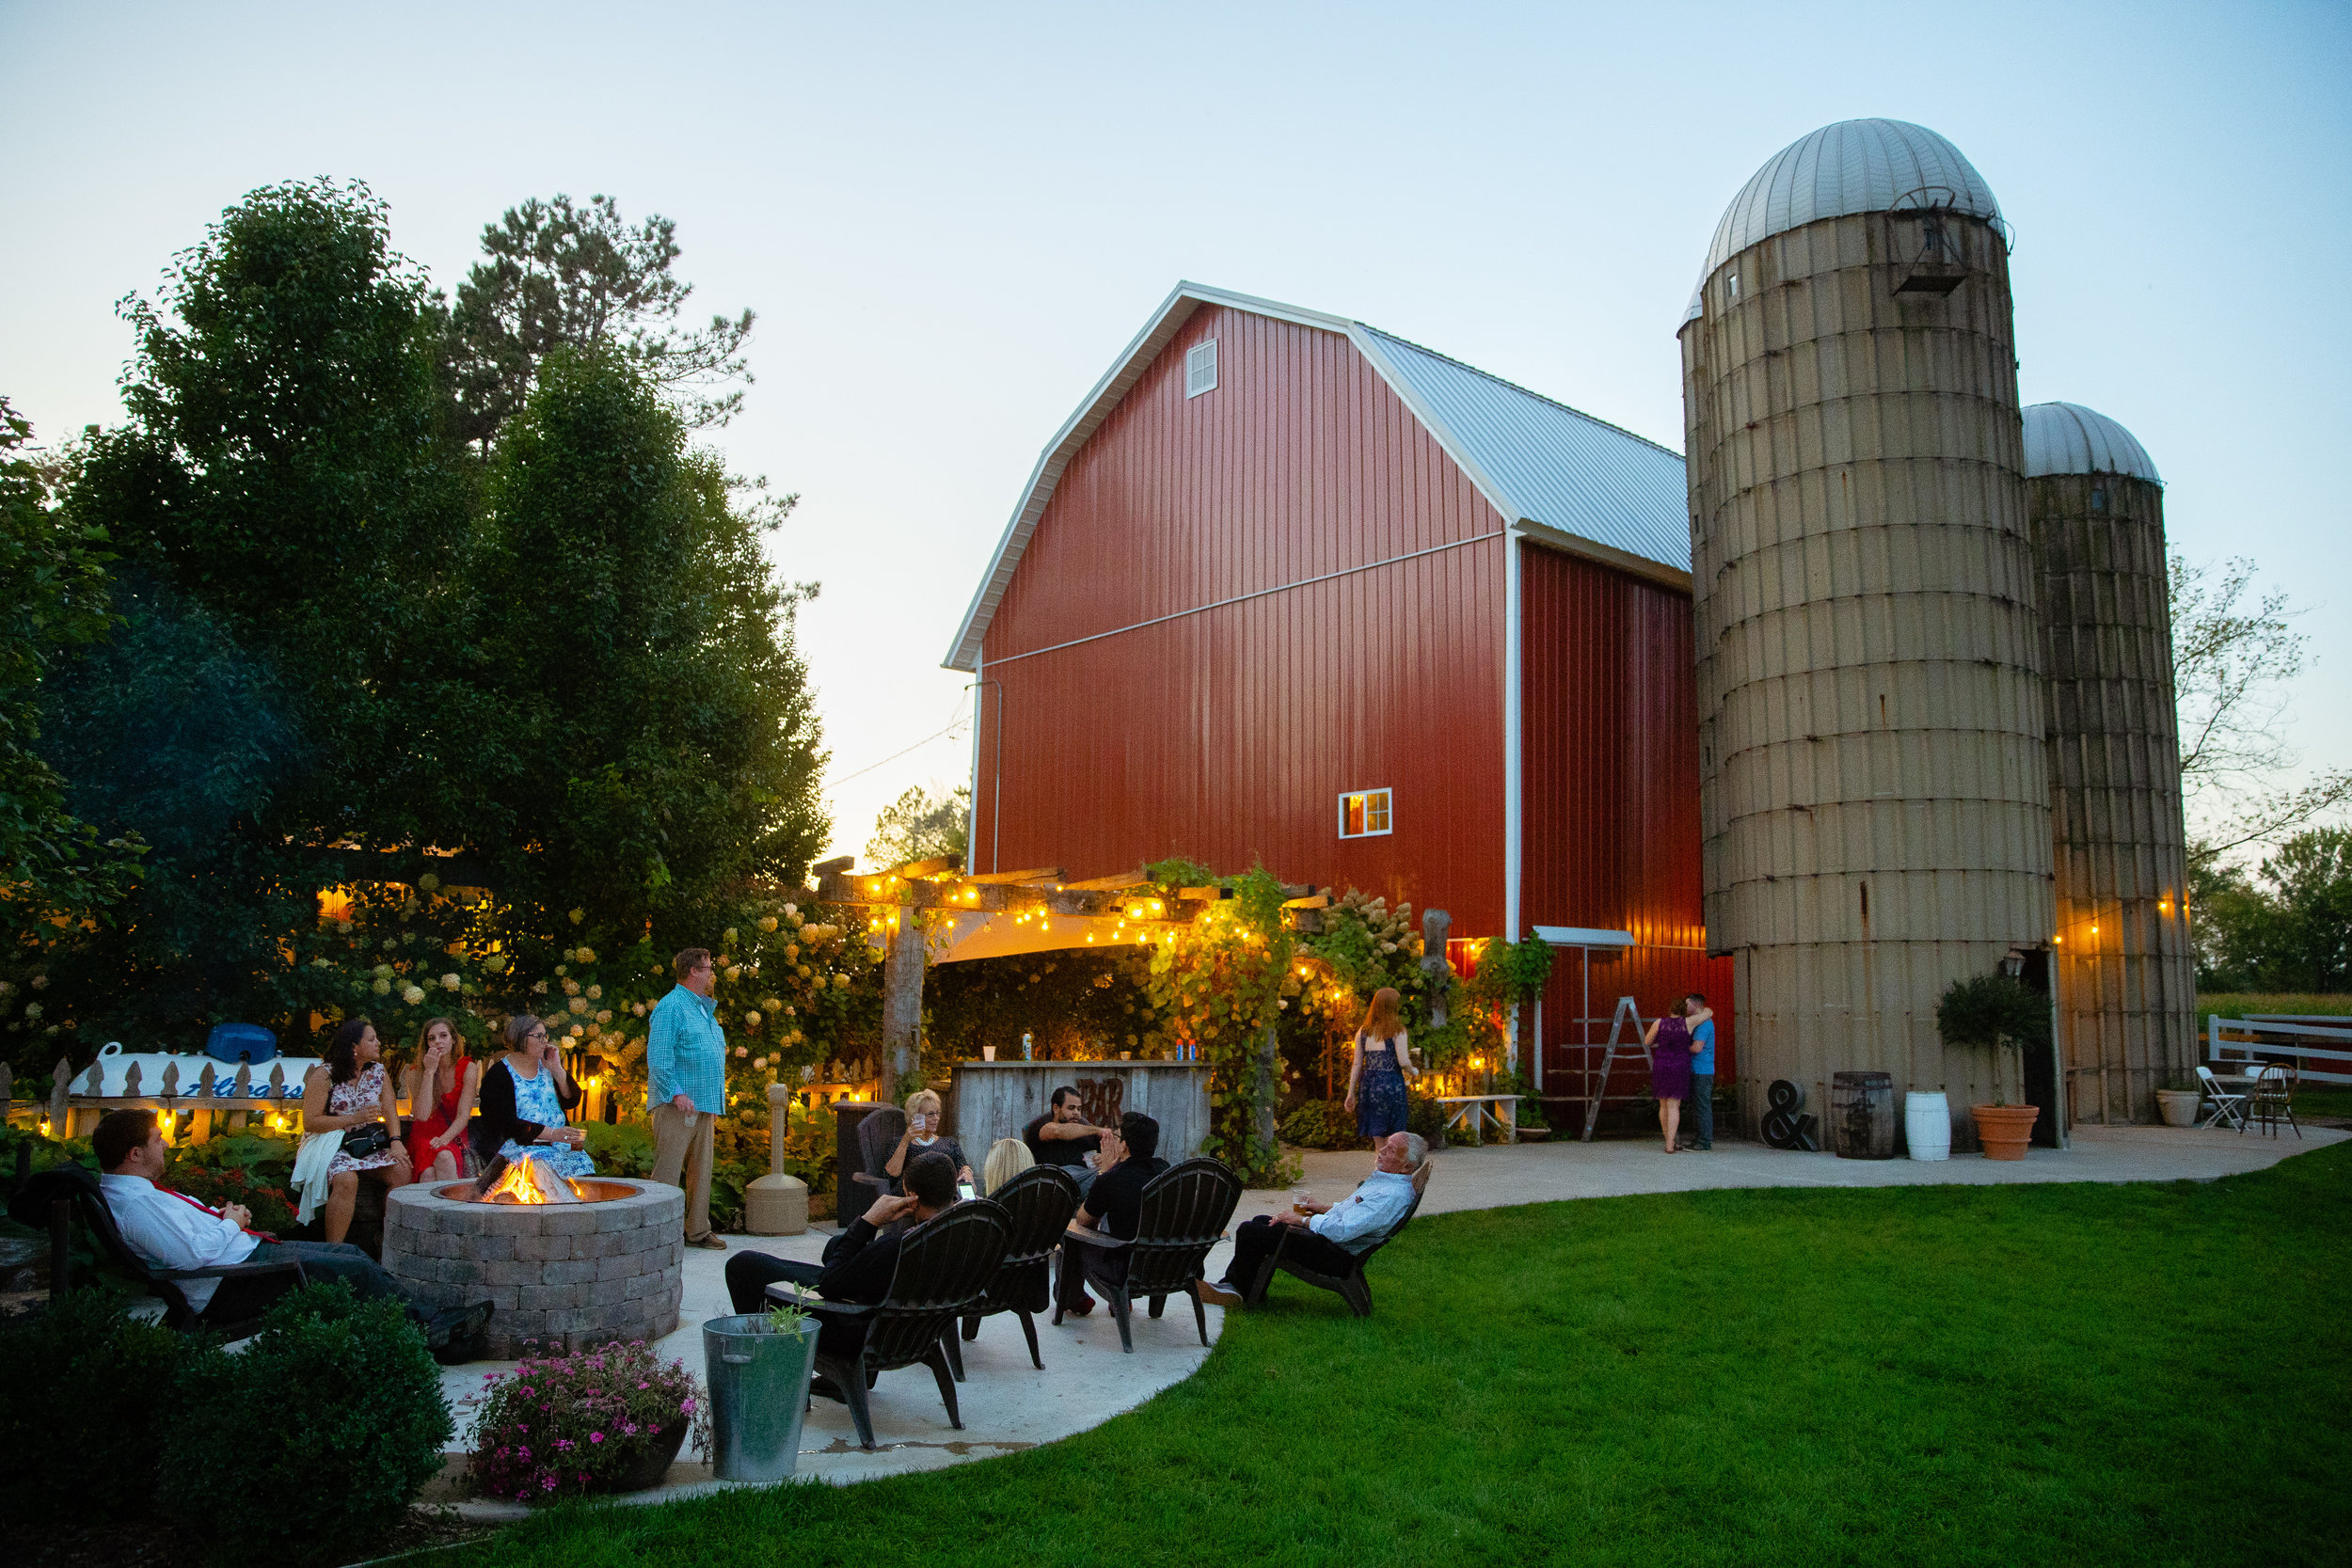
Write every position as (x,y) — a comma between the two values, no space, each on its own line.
(859,1264)
(1130,1159)
(1062,1137)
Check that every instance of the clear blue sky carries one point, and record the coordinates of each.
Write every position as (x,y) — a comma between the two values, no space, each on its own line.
(951,218)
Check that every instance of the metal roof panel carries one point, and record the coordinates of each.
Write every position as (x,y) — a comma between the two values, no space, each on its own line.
(2068,438)
(1555,465)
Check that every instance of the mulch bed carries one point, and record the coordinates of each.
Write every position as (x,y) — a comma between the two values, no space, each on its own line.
(150,1543)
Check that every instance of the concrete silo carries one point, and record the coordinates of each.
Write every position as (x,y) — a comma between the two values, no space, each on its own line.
(1874,773)
(2127,998)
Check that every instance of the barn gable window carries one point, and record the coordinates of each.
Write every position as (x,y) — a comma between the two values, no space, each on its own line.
(1364,813)
(1201,369)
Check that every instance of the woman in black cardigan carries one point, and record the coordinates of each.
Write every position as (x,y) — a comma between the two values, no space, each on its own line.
(523,1097)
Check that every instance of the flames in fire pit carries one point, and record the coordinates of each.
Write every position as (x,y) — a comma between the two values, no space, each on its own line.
(529,1181)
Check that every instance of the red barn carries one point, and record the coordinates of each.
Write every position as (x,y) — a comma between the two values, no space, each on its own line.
(1287,588)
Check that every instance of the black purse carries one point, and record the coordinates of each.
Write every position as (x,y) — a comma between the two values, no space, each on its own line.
(365,1142)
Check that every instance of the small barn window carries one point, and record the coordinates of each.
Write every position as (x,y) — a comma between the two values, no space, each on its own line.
(1201,369)
(1731,287)
(1364,813)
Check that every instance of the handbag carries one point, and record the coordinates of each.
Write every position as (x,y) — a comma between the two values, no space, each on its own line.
(364,1141)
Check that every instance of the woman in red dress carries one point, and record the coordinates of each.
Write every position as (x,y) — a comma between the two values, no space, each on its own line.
(441,1107)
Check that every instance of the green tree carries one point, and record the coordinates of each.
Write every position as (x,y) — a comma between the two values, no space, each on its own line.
(53,600)
(647,651)
(921,825)
(2287,929)
(559,275)
(293,678)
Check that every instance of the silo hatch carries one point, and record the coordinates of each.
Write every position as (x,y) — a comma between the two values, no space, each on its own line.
(1925,243)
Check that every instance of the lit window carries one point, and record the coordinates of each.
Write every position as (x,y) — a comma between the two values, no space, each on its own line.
(1201,369)
(1364,813)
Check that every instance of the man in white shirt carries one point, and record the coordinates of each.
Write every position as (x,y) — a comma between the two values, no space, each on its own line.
(1327,1236)
(170,1231)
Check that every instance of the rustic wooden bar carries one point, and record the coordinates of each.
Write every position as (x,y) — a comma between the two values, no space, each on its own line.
(996,1100)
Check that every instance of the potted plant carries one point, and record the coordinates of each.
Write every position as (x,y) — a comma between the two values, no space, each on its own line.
(2000,1012)
(2177,1104)
(569,1425)
(758,1365)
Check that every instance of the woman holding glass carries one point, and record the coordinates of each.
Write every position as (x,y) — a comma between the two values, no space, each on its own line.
(441,1105)
(524,1095)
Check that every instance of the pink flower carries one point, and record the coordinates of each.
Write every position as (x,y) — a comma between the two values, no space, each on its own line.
(548,1484)
(596,1437)
(630,1428)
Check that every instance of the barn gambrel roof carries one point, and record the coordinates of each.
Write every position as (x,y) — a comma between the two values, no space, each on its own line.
(1565,478)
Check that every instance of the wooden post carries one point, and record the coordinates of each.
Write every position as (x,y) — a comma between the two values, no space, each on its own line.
(902,1003)
(200,1125)
(60,1113)
(1269,1082)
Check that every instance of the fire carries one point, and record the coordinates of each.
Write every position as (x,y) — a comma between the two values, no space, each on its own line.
(525,1181)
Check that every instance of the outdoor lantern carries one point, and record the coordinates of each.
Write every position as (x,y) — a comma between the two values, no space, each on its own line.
(2013,963)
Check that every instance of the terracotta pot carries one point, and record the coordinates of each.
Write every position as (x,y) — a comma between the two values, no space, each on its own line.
(2005,1130)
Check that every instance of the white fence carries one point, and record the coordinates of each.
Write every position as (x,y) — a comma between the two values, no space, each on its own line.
(2304,1038)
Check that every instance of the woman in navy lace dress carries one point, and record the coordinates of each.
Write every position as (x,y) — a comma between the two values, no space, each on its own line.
(1384,1059)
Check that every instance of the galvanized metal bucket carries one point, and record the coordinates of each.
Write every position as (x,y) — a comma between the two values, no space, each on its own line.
(758,1394)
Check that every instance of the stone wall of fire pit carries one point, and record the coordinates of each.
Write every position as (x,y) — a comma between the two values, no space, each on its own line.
(581,1274)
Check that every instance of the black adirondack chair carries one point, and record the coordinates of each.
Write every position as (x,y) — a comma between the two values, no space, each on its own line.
(945,1265)
(877,1135)
(1351,1287)
(1182,1215)
(247,1290)
(1039,1203)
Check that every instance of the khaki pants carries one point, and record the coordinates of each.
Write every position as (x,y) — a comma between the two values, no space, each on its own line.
(681,1146)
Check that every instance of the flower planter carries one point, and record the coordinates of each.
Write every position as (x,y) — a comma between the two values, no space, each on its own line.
(759,1393)
(2178,1107)
(650,1467)
(1534,1134)
(2005,1130)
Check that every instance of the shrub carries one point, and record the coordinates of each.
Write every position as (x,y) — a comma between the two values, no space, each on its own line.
(1323,1124)
(85,1392)
(1425,1115)
(273,1208)
(356,1424)
(565,1426)
(621,1149)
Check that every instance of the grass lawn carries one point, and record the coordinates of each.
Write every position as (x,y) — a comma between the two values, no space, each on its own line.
(2029,1374)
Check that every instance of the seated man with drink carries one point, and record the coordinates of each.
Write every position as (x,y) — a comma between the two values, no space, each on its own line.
(1327,1236)
(1127,1162)
(860,1262)
(172,1231)
(1063,1137)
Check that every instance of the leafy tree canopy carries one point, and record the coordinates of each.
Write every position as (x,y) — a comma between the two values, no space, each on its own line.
(922,825)
(2288,928)
(559,275)
(52,599)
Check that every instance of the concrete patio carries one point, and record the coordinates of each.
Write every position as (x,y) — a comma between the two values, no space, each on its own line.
(1007,1406)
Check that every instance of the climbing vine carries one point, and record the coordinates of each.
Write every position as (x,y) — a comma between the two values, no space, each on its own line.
(1216,986)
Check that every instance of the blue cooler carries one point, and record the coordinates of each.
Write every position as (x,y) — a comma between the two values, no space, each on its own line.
(241,1043)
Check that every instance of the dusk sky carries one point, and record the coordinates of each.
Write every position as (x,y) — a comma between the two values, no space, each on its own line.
(951,218)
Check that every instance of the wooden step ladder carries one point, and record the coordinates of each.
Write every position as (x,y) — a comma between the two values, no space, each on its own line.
(1626,1016)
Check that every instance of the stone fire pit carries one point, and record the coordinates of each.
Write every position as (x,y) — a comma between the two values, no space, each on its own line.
(578,1274)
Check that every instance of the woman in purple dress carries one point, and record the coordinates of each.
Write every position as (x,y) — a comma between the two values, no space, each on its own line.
(1669,1042)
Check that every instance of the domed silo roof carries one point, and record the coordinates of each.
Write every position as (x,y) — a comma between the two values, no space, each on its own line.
(2068,438)
(1855,166)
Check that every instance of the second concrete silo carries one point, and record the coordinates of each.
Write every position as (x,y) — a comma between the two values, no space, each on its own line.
(1874,787)
(2127,999)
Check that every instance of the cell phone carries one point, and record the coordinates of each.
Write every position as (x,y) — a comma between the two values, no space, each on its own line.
(964,1190)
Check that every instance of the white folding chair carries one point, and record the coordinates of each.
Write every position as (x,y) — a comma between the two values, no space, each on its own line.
(2229,1110)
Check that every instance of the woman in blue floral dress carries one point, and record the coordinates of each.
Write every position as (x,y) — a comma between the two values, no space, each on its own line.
(1375,1084)
(524,1095)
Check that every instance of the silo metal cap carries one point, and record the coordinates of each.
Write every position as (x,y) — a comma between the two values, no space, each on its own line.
(1855,166)
(2068,438)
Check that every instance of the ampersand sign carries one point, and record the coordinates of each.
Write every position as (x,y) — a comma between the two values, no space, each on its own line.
(1783,1127)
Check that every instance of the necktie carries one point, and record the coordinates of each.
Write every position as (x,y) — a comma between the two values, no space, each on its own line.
(256,1235)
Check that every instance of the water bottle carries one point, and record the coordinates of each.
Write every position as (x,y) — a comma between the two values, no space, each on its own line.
(1025,1046)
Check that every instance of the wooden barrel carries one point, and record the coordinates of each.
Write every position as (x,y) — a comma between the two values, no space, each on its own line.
(1861,1115)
